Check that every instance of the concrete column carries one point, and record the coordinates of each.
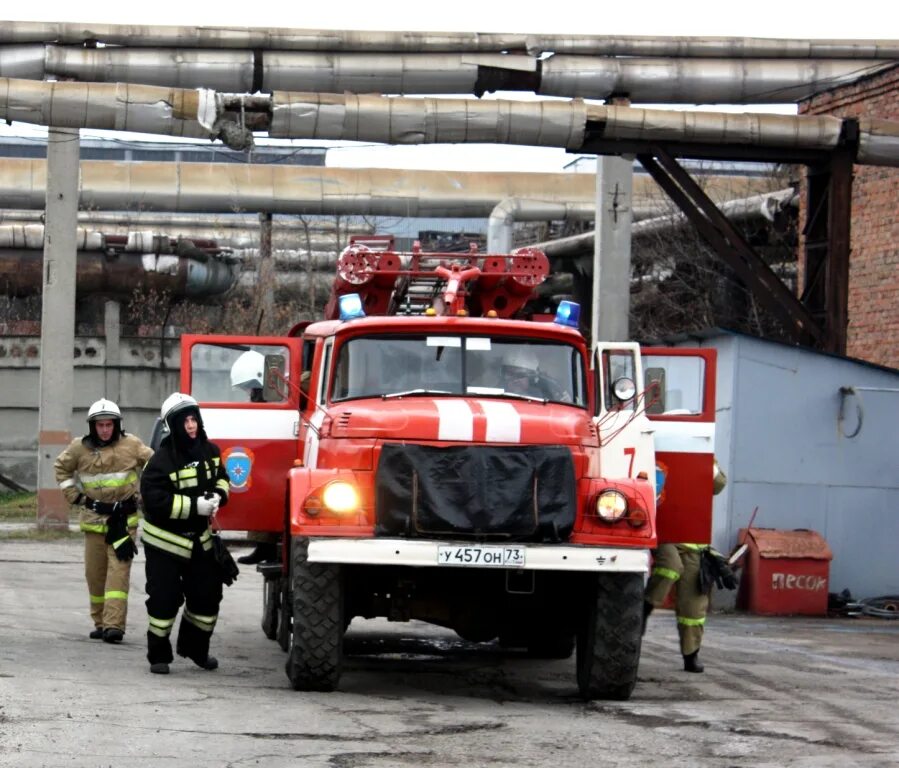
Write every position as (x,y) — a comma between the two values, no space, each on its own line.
(265,287)
(57,320)
(112,332)
(612,249)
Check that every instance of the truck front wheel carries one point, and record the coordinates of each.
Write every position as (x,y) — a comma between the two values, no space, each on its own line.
(609,637)
(271,599)
(315,656)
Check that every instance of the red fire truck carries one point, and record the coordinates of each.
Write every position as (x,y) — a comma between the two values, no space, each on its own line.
(426,452)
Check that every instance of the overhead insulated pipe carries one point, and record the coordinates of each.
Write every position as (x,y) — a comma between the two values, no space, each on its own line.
(765,206)
(412,42)
(641,80)
(503,217)
(211,187)
(21,273)
(398,120)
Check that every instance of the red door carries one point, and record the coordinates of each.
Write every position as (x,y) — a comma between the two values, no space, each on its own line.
(256,427)
(680,383)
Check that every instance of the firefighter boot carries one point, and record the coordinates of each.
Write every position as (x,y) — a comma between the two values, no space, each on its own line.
(262,553)
(159,668)
(692,663)
(209,663)
(647,609)
(96,634)
(112,635)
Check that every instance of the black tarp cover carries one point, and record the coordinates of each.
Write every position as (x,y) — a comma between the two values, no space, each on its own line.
(513,493)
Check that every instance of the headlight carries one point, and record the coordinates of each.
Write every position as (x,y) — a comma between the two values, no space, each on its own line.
(611,506)
(340,496)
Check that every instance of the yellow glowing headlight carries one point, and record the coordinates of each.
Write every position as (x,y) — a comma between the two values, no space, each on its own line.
(340,497)
(611,506)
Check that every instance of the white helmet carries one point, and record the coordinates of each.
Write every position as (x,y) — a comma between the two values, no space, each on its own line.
(248,370)
(104,409)
(522,358)
(174,403)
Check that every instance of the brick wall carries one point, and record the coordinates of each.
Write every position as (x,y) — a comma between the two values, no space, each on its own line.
(874,261)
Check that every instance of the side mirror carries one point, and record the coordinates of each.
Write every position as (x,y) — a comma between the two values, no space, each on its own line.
(654,385)
(624,389)
(275,389)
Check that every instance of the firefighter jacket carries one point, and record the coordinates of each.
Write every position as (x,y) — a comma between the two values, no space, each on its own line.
(106,473)
(170,487)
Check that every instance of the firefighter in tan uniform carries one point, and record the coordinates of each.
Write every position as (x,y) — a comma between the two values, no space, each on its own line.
(100,474)
(678,566)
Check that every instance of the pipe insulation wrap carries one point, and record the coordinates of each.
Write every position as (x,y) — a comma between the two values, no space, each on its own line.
(353,40)
(397,120)
(32,236)
(25,61)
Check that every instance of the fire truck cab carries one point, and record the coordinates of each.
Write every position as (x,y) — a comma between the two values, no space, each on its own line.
(425,453)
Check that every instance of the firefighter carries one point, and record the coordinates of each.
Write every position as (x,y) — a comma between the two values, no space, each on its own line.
(679,566)
(99,475)
(183,486)
(247,374)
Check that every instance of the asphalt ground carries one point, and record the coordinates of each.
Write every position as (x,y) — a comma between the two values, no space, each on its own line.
(776,692)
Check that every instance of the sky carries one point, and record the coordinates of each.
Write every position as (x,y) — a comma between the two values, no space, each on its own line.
(801,19)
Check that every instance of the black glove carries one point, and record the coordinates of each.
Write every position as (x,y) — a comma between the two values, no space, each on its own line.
(119,539)
(125,507)
(714,569)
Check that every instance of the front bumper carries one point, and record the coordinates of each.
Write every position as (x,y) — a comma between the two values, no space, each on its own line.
(537,557)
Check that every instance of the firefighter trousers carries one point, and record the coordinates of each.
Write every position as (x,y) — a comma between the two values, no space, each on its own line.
(108,580)
(172,581)
(677,565)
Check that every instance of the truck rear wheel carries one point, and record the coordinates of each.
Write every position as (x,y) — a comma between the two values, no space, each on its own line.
(608,641)
(316,642)
(285,625)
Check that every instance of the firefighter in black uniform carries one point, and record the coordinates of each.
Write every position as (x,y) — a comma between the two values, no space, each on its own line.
(182,487)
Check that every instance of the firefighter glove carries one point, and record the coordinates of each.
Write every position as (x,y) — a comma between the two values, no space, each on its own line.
(119,539)
(714,569)
(207,506)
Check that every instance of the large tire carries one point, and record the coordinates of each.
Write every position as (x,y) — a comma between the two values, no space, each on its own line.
(315,656)
(271,604)
(609,637)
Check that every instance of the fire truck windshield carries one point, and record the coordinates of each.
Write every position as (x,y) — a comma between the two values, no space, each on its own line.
(482,366)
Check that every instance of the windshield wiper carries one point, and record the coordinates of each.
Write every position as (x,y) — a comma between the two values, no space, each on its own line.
(516,395)
(416,392)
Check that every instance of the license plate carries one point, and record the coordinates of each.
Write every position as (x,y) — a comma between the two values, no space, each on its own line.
(481,557)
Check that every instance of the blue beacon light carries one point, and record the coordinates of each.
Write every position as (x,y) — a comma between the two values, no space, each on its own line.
(350,305)
(568,313)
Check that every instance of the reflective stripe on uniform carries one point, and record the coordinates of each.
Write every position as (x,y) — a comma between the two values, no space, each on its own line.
(161,627)
(97,599)
(684,621)
(93,527)
(694,547)
(172,542)
(120,541)
(205,623)
(666,573)
(108,479)
(222,485)
(180,507)
(68,483)
(116,595)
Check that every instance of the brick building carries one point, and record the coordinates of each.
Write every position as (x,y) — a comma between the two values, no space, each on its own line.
(873,332)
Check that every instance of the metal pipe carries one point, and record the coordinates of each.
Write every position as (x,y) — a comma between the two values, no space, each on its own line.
(507,212)
(349,40)
(214,187)
(398,120)
(25,61)
(698,81)
(641,80)
(220,70)
(32,236)
(764,206)
(21,274)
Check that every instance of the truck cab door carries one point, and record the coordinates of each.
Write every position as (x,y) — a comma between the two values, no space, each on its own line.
(680,405)
(625,434)
(256,429)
